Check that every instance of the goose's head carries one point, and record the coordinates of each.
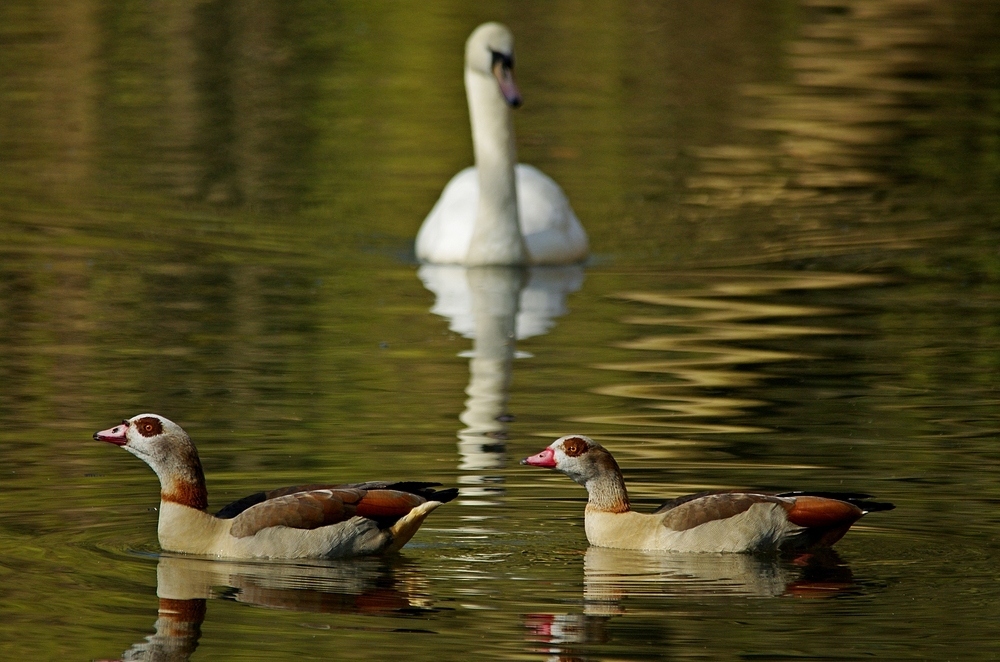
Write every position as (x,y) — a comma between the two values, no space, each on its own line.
(164,446)
(490,52)
(581,458)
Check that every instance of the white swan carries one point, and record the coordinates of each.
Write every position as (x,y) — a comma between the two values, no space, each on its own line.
(499,212)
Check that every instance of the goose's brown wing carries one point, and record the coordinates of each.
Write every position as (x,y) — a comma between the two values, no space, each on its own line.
(806,510)
(422,489)
(321,507)
(687,513)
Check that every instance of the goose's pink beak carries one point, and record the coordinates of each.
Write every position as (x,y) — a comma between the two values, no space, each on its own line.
(547,459)
(115,435)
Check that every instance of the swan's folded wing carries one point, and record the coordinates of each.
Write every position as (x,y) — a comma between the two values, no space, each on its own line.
(301,510)
(691,513)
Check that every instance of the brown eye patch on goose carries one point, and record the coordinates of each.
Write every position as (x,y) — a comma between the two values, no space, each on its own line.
(574,446)
(148,427)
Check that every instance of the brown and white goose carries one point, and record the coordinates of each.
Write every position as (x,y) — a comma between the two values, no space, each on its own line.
(705,522)
(305,521)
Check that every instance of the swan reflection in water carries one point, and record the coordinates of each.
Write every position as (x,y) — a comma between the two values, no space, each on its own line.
(614,576)
(495,307)
(352,586)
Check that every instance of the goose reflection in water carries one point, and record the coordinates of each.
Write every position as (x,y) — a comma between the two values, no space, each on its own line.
(612,576)
(495,307)
(184,584)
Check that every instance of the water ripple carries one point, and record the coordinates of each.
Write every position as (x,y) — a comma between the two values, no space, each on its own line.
(708,349)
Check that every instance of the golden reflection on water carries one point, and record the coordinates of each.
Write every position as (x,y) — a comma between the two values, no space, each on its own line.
(710,324)
(825,138)
(820,149)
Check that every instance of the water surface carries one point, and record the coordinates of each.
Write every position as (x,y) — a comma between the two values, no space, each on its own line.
(207,212)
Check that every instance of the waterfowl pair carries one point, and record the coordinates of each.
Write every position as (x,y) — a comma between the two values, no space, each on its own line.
(707,522)
(499,212)
(380,517)
(293,522)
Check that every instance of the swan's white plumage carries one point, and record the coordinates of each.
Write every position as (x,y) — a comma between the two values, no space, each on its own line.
(541,217)
(551,230)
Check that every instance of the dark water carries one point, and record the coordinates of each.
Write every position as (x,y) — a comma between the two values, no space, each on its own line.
(207,211)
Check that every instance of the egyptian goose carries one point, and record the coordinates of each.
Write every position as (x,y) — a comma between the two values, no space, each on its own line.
(305,521)
(499,212)
(705,522)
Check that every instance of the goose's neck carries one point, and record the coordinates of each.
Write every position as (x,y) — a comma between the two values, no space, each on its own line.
(182,481)
(607,493)
(496,236)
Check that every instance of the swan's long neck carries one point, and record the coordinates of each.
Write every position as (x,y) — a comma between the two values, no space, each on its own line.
(496,236)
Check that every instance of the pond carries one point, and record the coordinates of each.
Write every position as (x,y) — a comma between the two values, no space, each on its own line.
(208,211)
